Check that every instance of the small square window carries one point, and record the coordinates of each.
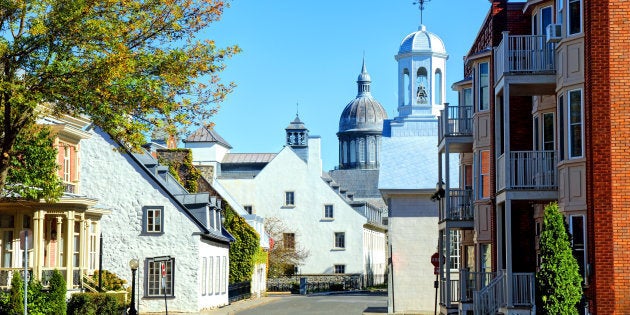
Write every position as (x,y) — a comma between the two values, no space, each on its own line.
(328,212)
(340,240)
(289,198)
(248,209)
(340,268)
(153,220)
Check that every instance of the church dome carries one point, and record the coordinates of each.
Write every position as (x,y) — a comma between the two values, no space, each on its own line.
(364,113)
(422,41)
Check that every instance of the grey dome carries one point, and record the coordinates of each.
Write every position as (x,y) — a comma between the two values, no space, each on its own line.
(362,114)
(422,41)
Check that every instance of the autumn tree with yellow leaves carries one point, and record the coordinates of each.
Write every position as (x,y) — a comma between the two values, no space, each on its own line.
(130,65)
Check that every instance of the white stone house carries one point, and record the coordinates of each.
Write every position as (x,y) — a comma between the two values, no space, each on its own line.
(290,186)
(153,218)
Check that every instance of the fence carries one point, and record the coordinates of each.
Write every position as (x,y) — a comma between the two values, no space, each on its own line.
(317,283)
(239,291)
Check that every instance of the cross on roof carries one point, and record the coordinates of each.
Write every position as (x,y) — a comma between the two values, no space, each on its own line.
(420,4)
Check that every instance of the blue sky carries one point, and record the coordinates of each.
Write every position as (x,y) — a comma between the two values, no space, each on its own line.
(310,52)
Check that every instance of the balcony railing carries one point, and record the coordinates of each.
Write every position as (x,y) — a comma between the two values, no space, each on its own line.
(473,281)
(494,296)
(524,54)
(449,294)
(455,121)
(459,206)
(527,170)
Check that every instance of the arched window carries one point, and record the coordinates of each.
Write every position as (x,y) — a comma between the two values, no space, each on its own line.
(372,149)
(438,86)
(421,83)
(353,152)
(344,152)
(406,87)
(361,151)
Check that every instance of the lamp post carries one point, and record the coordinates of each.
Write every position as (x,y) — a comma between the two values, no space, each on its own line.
(133,264)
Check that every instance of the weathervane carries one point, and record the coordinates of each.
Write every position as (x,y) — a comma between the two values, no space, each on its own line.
(421,5)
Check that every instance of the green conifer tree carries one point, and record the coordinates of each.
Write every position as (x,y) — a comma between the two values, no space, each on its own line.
(559,280)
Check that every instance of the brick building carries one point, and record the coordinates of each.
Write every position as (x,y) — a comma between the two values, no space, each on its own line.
(540,118)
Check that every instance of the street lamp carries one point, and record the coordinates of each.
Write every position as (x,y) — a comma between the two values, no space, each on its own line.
(133,264)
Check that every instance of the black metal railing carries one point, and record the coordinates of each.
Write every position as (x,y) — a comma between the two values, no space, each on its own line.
(239,291)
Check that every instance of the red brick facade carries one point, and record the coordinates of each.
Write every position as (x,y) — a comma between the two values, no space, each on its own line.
(607,129)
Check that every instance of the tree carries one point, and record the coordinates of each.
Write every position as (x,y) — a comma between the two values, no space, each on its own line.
(285,253)
(130,65)
(559,280)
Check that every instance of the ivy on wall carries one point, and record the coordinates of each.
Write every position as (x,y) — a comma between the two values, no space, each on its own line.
(245,251)
(179,162)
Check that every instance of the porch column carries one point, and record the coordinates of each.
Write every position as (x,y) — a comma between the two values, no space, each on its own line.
(447,185)
(508,251)
(83,242)
(69,249)
(447,246)
(59,259)
(38,243)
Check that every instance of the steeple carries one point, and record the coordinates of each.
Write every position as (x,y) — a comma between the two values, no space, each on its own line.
(363,81)
(297,134)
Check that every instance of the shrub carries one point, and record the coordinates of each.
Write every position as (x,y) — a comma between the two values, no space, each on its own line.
(559,280)
(110,281)
(93,304)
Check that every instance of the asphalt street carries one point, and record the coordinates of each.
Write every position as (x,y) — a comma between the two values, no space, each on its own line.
(322,304)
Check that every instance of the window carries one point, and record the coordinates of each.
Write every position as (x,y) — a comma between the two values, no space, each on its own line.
(484,174)
(484,87)
(561,127)
(404,90)
(328,212)
(421,89)
(361,145)
(288,240)
(248,209)
(289,198)
(559,11)
(577,230)
(353,152)
(76,245)
(574,17)
(372,149)
(155,285)
(340,268)
(548,129)
(66,164)
(468,100)
(438,86)
(575,124)
(153,220)
(93,247)
(454,249)
(340,240)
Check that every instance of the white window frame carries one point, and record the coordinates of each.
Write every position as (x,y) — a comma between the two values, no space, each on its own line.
(571,124)
(289,198)
(149,215)
(66,164)
(339,269)
(339,240)
(153,278)
(480,98)
(329,212)
(580,18)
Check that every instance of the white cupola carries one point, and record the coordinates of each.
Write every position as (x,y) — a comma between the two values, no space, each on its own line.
(421,74)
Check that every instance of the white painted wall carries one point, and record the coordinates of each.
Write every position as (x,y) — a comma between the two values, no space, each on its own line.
(413,236)
(121,186)
(287,172)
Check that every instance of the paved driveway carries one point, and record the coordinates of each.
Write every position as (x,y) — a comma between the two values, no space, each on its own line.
(334,304)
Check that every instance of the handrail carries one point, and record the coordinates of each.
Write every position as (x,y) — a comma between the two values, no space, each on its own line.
(489,299)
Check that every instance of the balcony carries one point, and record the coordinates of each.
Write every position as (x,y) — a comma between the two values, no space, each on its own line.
(527,170)
(525,55)
(458,205)
(456,123)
